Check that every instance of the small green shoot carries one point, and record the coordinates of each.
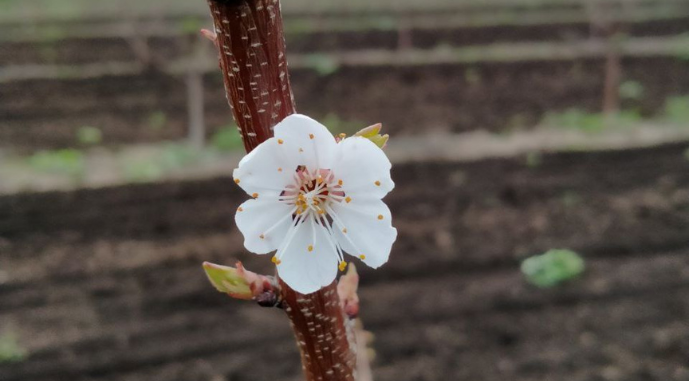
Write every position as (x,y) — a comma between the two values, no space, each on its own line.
(156,120)
(576,119)
(175,155)
(552,268)
(677,110)
(372,133)
(62,162)
(631,90)
(228,280)
(89,135)
(171,157)
(534,159)
(10,351)
(142,171)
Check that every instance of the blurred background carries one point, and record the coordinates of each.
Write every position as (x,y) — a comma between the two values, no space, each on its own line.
(519,127)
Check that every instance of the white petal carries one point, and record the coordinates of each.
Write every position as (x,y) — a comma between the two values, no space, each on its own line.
(363,168)
(308,141)
(270,219)
(369,230)
(266,171)
(308,271)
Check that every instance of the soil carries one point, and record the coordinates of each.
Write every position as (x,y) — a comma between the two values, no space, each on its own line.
(106,284)
(441,98)
(91,49)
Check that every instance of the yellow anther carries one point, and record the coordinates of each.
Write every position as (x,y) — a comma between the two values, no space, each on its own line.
(380,216)
(240,209)
(262,236)
(311,136)
(362,257)
(343,266)
(321,211)
(377,183)
(236,181)
(348,199)
(255,195)
(320,179)
(275,260)
(280,141)
(316,202)
(344,230)
(339,182)
(343,135)
(310,248)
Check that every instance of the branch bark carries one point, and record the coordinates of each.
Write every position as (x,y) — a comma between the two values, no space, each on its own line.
(250,41)
(251,47)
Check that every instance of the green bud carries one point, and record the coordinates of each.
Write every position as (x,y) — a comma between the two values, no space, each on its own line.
(372,133)
(228,280)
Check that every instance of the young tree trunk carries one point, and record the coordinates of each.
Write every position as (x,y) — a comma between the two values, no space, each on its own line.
(251,46)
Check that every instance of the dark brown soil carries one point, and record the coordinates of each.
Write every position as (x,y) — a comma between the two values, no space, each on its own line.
(89,49)
(440,98)
(106,284)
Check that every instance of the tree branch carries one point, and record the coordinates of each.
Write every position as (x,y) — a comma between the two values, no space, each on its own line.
(251,47)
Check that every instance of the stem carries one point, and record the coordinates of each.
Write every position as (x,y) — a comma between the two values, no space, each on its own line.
(251,46)
(324,337)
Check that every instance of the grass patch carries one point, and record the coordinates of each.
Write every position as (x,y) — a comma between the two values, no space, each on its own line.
(577,119)
(89,135)
(68,162)
(677,110)
(10,350)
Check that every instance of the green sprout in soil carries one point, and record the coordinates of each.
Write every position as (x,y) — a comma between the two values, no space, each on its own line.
(677,110)
(10,351)
(172,157)
(142,171)
(577,119)
(156,120)
(227,139)
(68,162)
(552,268)
(682,51)
(533,159)
(571,199)
(89,135)
(472,76)
(632,90)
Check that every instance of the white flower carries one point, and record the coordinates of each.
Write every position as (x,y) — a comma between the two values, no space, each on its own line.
(313,199)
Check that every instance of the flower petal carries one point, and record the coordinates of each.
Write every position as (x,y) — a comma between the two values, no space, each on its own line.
(364,227)
(264,224)
(308,141)
(307,271)
(267,170)
(363,168)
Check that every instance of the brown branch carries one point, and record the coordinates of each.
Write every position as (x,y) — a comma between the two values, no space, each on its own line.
(250,41)
(251,48)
